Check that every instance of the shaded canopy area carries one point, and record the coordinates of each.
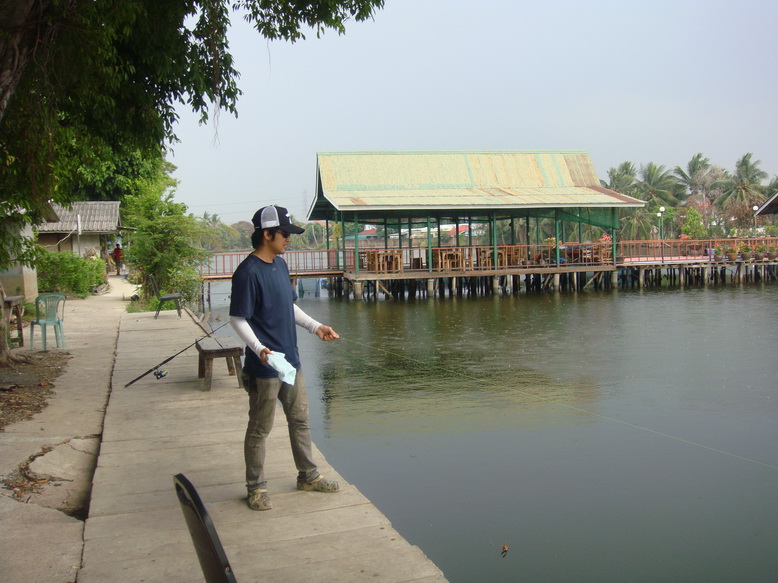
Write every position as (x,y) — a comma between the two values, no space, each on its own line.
(770,207)
(466,186)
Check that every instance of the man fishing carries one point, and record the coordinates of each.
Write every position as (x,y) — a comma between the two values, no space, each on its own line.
(264,314)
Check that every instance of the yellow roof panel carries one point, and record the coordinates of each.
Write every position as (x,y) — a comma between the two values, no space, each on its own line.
(360,181)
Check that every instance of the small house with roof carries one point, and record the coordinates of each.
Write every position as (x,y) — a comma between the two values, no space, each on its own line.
(85,228)
(22,280)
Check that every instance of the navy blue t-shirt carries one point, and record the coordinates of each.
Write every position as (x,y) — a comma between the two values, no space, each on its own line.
(263,294)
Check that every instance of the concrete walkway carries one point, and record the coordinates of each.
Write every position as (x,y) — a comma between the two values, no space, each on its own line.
(158,428)
(38,542)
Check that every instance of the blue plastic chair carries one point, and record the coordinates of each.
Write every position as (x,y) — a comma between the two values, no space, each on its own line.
(49,311)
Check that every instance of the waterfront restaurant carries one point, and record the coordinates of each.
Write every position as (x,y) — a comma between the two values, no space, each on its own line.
(466,213)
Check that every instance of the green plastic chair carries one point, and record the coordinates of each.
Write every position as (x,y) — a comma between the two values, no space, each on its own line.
(49,311)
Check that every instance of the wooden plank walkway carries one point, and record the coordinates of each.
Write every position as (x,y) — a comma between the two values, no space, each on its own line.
(155,429)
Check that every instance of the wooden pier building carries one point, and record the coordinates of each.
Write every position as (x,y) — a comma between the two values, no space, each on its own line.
(481,222)
(521,205)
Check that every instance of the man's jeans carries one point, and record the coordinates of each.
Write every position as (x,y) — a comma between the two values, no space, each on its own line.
(262,406)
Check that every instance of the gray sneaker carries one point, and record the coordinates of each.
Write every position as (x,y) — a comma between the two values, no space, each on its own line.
(259,500)
(318,484)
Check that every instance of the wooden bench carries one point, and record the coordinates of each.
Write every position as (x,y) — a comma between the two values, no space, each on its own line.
(210,348)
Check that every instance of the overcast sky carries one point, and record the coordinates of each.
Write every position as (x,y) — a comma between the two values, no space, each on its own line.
(650,81)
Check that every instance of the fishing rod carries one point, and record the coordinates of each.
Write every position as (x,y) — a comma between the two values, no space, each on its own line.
(160,374)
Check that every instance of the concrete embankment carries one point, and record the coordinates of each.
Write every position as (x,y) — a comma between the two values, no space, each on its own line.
(149,432)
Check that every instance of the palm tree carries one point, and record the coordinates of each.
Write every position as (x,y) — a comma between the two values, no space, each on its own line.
(636,224)
(695,169)
(211,220)
(771,188)
(696,180)
(745,184)
(621,179)
(743,189)
(658,186)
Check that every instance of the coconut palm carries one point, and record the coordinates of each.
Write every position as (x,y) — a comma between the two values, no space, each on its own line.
(698,178)
(211,220)
(693,177)
(745,185)
(657,186)
(621,179)
(636,224)
(771,188)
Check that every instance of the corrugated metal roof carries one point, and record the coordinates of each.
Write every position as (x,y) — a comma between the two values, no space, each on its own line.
(96,217)
(770,207)
(479,180)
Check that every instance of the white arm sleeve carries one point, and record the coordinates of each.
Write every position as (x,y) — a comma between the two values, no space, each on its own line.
(304,320)
(241,326)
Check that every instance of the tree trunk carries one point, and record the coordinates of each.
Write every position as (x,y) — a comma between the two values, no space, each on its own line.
(5,349)
(22,28)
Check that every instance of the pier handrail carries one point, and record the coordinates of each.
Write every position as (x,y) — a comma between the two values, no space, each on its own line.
(486,258)
(223,265)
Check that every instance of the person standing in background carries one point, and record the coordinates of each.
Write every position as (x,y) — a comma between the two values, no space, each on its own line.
(117,258)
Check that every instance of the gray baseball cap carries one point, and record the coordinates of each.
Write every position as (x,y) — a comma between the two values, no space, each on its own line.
(275,216)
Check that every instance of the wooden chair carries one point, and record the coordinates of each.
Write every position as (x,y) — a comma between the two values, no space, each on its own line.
(172,297)
(210,552)
(49,311)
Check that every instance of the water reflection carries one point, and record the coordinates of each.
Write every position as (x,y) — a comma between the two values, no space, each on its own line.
(423,389)
(603,436)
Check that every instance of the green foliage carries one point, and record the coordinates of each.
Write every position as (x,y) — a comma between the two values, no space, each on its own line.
(87,86)
(68,273)
(622,179)
(658,186)
(314,237)
(725,201)
(164,238)
(692,225)
(636,224)
(244,230)
(745,185)
(219,237)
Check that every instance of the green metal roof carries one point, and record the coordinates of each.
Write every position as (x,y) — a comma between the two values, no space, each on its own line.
(415,184)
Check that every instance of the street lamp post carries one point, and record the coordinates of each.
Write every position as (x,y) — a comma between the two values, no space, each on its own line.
(755,208)
(661,232)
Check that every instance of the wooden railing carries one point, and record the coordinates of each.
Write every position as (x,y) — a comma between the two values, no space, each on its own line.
(223,265)
(685,249)
(483,258)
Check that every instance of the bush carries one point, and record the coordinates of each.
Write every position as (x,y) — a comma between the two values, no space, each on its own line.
(68,273)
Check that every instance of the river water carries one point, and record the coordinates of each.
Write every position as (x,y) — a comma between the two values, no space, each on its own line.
(603,436)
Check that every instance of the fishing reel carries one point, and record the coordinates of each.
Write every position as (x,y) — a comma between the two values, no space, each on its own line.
(160,374)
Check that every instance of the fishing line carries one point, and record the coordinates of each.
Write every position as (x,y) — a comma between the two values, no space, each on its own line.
(561,404)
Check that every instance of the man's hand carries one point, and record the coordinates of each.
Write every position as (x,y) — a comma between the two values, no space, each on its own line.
(263,355)
(326,333)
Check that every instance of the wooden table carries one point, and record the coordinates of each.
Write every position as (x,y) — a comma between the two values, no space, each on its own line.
(14,303)
(390,260)
(210,348)
(515,255)
(452,259)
